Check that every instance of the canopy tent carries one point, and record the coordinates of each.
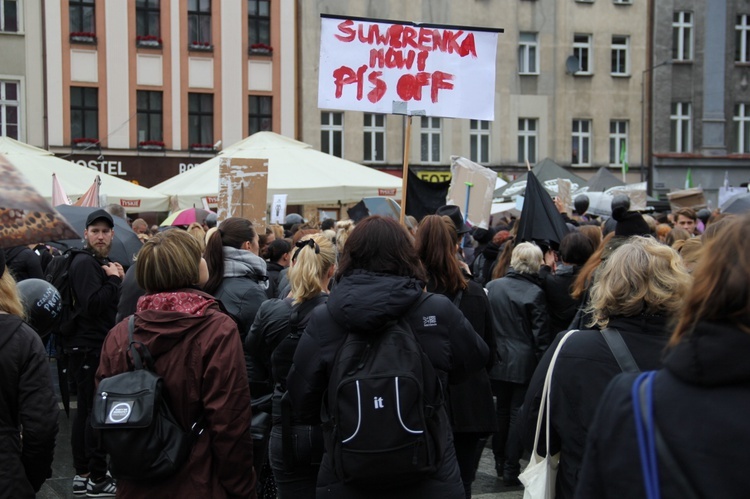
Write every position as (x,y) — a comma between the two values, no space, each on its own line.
(547,172)
(38,166)
(305,175)
(602,180)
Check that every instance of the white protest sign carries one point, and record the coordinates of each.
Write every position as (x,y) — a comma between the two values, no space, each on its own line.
(278,209)
(394,67)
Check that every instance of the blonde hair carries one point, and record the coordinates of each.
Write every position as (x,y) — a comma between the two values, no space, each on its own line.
(311,267)
(526,258)
(196,230)
(168,261)
(642,276)
(690,250)
(10,301)
(343,229)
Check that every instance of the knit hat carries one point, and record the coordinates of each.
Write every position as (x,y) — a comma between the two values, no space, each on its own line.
(630,223)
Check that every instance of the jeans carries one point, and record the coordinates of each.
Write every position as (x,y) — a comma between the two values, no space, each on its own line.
(297,477)
(88,457)
(506,443)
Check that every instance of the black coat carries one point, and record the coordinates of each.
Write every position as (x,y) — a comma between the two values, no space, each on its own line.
(561,306)
(584,368)
(23,263)
(273,271)
(521,325)
(701,403)
(367,301)
(28,401)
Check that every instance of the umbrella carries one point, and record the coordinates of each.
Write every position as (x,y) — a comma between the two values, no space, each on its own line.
(25,217)
(186,217)
(737,204)
(125,244)
(540,220)
(58,193)
(90,198)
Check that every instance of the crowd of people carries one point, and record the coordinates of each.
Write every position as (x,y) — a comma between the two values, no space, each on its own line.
(246,329)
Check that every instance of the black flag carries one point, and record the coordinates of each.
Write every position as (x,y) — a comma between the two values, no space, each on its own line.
(540,220)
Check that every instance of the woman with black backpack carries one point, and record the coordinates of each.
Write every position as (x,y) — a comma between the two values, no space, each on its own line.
(295,448)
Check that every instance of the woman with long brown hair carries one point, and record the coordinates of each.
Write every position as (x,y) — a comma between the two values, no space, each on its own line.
(701,397)
(470,402)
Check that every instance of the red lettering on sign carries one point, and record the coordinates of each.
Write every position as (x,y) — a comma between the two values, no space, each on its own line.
(212,199)
(451,41)
(410,86)
(394,38)
(422,60)
(378,92)
(346,28)
(440,80)
(386,192)
(468,47)
(130,203)
(410,37)
(346,76)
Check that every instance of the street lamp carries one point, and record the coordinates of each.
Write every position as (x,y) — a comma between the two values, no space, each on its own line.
(643,129)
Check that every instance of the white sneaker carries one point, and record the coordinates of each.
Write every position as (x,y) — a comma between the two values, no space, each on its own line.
(79,484)
(106,488)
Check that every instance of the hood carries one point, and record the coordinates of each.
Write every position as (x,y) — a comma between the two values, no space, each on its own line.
(366,301)
(160,329)
(713,355)
(532,278)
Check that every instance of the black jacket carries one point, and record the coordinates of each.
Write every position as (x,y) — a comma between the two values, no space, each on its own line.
(520,322)
(561,306)
(584,368)
(483,264)
(28,401)
(273,270)
(130,292)
(701,402)
(367,301)
(23,263)
(97,295)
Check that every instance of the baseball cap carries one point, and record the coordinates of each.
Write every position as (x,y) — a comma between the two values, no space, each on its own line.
(100,215)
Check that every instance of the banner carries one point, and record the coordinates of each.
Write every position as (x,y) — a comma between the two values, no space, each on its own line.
(395,67)
(278,209)
(243,184)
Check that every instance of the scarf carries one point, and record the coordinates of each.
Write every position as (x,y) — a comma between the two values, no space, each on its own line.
(240,263)
(175,301)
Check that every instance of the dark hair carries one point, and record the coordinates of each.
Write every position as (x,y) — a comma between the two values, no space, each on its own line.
(380,244)
(720,290)
(277,249)
(586,275)
(232,232)
(327,224)
(575,248)
(687,213)
(436,242)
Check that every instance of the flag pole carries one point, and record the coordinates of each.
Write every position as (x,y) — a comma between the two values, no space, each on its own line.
(405,177)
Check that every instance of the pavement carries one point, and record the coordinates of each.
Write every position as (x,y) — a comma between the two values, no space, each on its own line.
(59,486)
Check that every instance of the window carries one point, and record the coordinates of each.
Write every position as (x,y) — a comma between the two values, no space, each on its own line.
(618,142)
(199,21)
(201,120)
(527,140)
(581,143)
(680,127)
(479,141)
(259,22)
(84,113)
(620,59)
(147,18)
(10,106)
(623,2)
(582,50)
(528,54)
(149,116)
(682,36)
(374,138)
(332,133)
(9,16)
(430,140)
(82,16)
(261,114)
(742,49)
(742,127)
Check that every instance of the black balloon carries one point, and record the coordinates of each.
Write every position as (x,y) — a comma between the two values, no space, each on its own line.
(581,203)
(42,303)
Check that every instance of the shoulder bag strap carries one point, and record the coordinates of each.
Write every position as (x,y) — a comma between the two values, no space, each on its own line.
(620,350)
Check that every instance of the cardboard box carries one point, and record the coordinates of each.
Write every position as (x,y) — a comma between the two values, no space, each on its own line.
(687,198)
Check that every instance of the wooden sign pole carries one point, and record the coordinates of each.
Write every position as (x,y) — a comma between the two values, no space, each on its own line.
(405,179)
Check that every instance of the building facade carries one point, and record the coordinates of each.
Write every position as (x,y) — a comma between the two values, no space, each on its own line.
(568,87)
(701,108)
(146,89)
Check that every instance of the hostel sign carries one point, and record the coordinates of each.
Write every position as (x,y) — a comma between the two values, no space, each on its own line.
(394,67)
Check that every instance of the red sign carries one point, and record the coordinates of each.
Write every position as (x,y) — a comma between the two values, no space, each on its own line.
(130,203)
(386,192)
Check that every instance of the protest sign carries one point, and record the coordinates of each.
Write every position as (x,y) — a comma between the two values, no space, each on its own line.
(278,209)
(243,184)
(395,67)
(472,187)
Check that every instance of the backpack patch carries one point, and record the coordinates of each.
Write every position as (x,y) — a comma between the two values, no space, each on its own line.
(383,408)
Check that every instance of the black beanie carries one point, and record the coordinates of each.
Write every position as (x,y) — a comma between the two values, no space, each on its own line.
(630,223)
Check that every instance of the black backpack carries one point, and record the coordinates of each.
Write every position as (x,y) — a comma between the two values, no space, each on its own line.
(57,274)
(381,416)
(136,427)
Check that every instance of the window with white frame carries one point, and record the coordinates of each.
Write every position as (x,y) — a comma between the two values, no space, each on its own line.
(620,59)
(430,140)
(680,127)
(527,140)
(332,133)
(479,141)
(742,127)
(623,2)
(528,53)
(10,109)
(582,51)
(374,130)
(581,150)
(742,30)
(682,36)
(618,142)
(9,14)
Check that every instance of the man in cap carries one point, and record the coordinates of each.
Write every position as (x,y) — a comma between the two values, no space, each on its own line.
(95,282)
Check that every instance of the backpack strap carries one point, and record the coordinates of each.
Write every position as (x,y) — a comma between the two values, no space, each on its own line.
(458,297)
(620,350)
